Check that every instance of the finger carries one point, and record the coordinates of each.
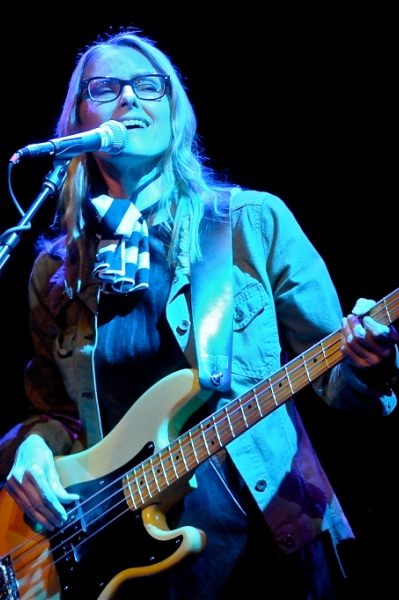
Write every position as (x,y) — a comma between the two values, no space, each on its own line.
(352,329)
(356,347)
(362,306)
(60,492)
(32,504)
(354,358)
(383,333)
(364,332)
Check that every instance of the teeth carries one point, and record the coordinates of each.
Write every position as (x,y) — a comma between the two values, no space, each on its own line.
(135,123)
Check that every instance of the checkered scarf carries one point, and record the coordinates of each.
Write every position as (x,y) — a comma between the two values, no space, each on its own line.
(122,260)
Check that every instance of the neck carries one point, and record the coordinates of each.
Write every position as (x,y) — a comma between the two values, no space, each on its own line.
(142,187)
(146,193)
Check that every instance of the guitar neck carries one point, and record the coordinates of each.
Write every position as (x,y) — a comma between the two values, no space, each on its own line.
(155,476)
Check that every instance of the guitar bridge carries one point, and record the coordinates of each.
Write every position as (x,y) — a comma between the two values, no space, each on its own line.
(8,583)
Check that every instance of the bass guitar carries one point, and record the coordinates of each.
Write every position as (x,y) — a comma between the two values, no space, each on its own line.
(118,528)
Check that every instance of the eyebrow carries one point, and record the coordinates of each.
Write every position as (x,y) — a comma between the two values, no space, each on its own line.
(137,74)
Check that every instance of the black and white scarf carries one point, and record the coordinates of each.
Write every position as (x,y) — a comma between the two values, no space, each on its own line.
(122,260)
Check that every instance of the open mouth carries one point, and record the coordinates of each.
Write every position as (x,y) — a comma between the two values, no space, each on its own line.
(135,124)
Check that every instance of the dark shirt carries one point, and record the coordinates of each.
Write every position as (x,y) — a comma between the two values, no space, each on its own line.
(136,347)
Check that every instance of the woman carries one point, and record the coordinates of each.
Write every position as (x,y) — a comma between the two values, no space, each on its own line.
(128,294)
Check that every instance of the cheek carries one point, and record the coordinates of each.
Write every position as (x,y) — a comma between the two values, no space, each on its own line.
(92,115)
(164,122)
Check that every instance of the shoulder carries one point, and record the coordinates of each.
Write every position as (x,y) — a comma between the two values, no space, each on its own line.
(50,252)
(241,198)
(262,205)
(49,262)
(253,210)
(52,248)
(237,198)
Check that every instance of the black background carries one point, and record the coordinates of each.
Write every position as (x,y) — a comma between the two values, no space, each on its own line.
(299,103)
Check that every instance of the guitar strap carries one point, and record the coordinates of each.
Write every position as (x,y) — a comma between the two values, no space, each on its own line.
(212,301)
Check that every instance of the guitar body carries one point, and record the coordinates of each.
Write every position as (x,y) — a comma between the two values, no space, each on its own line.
(30,557)
(105,540)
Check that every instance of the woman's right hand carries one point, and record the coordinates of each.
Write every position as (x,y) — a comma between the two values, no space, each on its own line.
(34,484)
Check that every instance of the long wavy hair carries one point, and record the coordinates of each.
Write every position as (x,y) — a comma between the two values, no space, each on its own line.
(189,183)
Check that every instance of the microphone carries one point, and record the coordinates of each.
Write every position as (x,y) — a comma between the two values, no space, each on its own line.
(111,137)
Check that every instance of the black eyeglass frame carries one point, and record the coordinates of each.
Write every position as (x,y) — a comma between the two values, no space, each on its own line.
(122,82)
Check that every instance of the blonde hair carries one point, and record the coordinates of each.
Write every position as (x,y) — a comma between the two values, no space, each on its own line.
(188,183)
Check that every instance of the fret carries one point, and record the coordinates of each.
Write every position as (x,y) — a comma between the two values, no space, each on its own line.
(243,415)
(388,314)
(315,361)
(163,468)
(146,484)
(140,482)
(273,394)
(277,386)
(254,395)
(155,474)
(325,357)
(288,379)
(131,493)
(183,456)
(230,424)
(193,447)
(251,410)
(172,458)
(203,432)
(215,430)
(306,368)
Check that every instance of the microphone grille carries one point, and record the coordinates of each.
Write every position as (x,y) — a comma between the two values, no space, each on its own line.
(119,136)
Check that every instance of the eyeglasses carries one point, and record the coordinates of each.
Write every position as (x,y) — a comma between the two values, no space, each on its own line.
(146,87)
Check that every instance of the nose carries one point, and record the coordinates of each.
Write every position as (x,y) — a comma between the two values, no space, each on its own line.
(128,96)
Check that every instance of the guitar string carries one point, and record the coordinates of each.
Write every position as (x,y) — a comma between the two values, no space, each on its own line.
(191,443)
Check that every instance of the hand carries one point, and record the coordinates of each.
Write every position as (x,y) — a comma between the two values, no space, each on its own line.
(366,342)
(34,484)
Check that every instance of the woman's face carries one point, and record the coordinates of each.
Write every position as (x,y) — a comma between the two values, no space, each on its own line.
(147,121)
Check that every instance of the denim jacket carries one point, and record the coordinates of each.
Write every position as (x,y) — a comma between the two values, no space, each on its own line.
(284,300)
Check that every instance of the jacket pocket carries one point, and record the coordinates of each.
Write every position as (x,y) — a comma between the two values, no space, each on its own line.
(256,346)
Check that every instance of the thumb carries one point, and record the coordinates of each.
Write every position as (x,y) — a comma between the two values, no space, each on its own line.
(58,489)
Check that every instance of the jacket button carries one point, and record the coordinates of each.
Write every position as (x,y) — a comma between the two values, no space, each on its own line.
(261,485)
(288,541)
(238,315)
(184,325)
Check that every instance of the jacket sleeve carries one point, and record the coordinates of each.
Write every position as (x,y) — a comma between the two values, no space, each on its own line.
(52,414)
(308,310)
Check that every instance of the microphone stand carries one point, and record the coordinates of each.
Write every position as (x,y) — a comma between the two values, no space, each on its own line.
(51,184)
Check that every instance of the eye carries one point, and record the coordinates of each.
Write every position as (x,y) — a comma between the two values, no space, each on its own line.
(103,87)
(147,84)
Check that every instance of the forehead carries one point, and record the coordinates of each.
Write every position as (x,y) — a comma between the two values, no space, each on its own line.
(118,61)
